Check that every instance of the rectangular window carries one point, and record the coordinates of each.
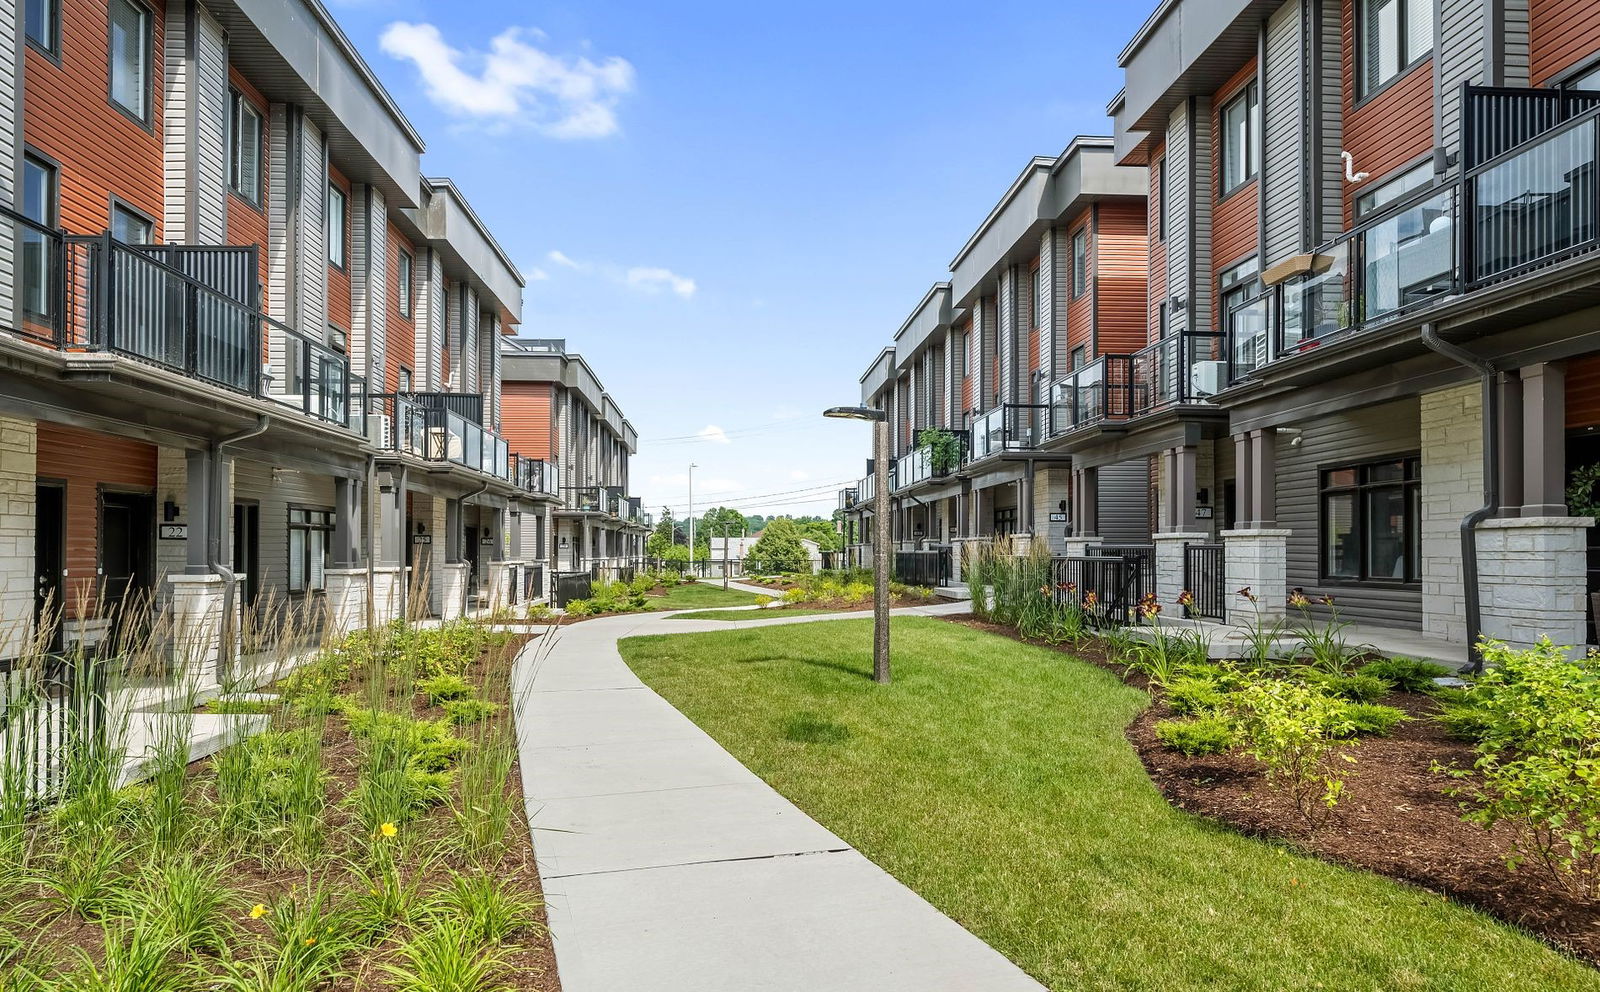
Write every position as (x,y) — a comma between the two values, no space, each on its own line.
(244,173)
(1161,200)
(1371,521)
(336,223)
(39,206)
(130,58)
(1038,293)
(310,548)
(1589,79)
(404,385)
(1391,190)
(1080,358)
(403,280)
(1241,139)
(1244,317)
(43,23)
(129,226)
(1080,263)
(1393,35)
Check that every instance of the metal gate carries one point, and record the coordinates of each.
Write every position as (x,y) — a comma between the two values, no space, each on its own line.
(570,586)
(1205,578)
(1107,588)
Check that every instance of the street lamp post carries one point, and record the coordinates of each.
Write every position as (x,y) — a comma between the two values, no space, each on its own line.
(692,467)
(880,521)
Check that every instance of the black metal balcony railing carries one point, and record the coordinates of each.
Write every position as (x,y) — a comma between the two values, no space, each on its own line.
(1181,369)
(437,434)
(85,294)
(1007,427)
(533,475)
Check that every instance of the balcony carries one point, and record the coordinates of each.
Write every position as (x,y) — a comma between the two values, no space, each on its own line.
(1528,199)
(184,309)
(1179,370)
(533,475)
(1008,427)
(437,435)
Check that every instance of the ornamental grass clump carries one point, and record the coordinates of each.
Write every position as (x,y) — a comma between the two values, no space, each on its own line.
(1298,735)
(1537,772)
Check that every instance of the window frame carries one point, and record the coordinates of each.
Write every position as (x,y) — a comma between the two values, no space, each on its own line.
(1161,198)
(51,169)
(302,584)
(405,274)
(120,206)
(238,102)
(1251,96)
(52,50)
(1358,51)
(1409,486)
(1079,280)
(343,239)
(1422,166)
(146,119)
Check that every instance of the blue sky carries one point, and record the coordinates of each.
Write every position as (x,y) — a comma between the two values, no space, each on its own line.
(728,208)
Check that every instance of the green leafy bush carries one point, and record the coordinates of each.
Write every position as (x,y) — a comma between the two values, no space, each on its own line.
(1373,719)
(1538,764)
(579,608)
(464,711)
(1202,735)
(1188,695)
(1406,674)
(426,744)
(1297,733)
(442,688)
(1360,688)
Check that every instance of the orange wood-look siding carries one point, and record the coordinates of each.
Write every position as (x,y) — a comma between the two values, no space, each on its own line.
(400,333)
(1156,266)
(69,117)
(247,222)
(1033,350)
(1583,391)
(1121,249)
(339,279)
(1562,33)
(967,364)
(525,418)
(1080,309)
(85,460)
(1392,128)
(1233,220)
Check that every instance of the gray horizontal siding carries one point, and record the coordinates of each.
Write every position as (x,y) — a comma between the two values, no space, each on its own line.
(253,483)
(1283,144)
(1361,435)
(1125,502)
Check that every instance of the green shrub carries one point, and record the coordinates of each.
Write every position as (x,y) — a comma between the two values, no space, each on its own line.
(464,711)
(426,744)
(1373,720)
(1202,735)
(443,688)
(1538,765)
(1464,719)
(1296,732)
(1406,674)
(1188,695)
(580,608)
(1361,688)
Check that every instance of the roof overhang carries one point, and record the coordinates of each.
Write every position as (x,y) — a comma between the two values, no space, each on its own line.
(931,317)
(879,374)
(449,225)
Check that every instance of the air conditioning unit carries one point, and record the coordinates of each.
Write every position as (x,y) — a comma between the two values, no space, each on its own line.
(381,430)
(1207,378)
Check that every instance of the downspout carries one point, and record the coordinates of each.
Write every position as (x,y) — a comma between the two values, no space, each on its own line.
(214,540)
(1491,486)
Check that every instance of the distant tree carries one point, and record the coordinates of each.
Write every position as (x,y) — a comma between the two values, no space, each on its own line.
(755,523)
(826,536)
(714,522)
(663,537)
(779,548)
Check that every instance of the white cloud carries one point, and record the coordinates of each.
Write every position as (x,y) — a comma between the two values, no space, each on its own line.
(653,280)
(515,82)
(537,274)
(799,475)
(714,434)
(561,258)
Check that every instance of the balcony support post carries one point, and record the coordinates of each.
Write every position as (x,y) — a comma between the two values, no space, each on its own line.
(1544,468)
(197,464)
(347,508)
(1244,478)
(1511,496)
(452,531)
(1264,478)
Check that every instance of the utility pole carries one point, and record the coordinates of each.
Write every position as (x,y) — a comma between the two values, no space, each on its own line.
(691,517)
(724,554)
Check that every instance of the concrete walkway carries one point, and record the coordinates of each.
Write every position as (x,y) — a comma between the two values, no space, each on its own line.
(667,865)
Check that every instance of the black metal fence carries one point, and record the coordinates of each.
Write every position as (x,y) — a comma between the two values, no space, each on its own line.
(1106,587)
(568,586)
(532,582)
(931,568)
(1144,554)
(51,712)
(1204,576)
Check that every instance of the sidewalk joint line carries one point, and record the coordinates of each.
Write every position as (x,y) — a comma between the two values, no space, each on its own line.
(709,861)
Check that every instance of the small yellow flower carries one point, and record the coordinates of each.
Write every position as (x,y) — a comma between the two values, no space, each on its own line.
(388,829)
(258,911)
(310,941)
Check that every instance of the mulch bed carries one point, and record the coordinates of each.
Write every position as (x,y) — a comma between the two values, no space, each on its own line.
(1394,818)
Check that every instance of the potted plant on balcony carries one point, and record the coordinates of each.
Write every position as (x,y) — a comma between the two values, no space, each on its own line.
(943,447)
(1582,501)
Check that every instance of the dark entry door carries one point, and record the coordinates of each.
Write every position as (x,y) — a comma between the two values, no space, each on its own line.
(246,551)
(127,549)
(470,552)
(50,558)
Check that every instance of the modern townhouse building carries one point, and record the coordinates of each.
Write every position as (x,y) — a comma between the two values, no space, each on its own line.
(252,354)
(1374,279)
(559,415)
(1051,281)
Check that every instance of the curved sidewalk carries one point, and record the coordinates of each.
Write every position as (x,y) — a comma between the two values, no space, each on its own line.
(667,865)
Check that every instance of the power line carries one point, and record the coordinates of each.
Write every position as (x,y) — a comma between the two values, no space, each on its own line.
(733,496)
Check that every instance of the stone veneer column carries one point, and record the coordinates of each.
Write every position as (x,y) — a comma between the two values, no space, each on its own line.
(1169,563)
(197,629)
(1532,579)
(453,589)
(1256,559)
(502,577)
(18,481)
(1078,547)
(346,597)
(388,585)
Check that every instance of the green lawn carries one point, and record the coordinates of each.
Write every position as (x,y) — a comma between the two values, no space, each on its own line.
(994,779)
(700,595)
(780,611)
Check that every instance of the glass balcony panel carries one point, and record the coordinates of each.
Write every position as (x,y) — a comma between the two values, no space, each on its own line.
(1410,257)
(1537,204)
(1321,303)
